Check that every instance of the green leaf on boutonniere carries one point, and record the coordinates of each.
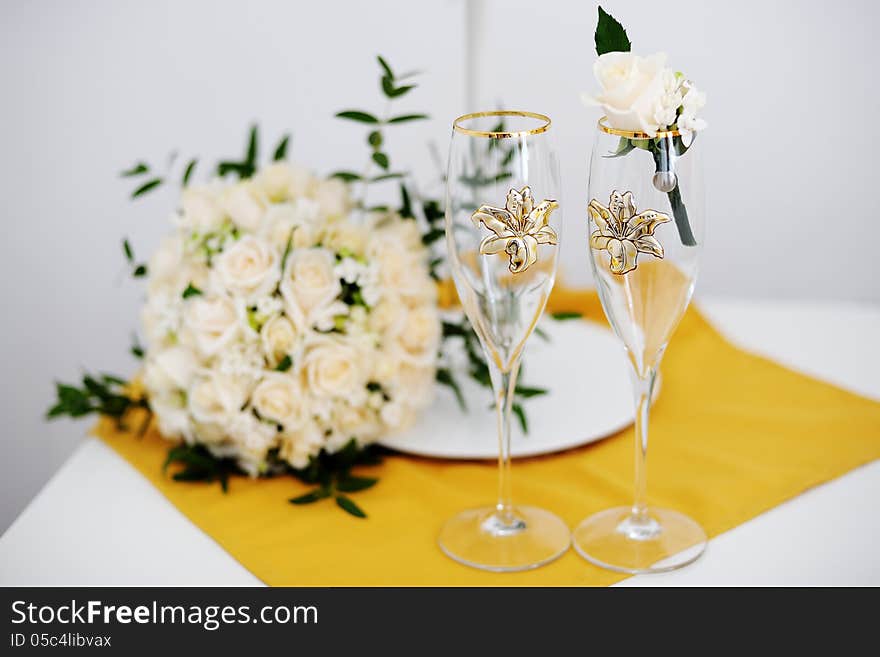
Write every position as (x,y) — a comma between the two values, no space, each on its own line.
(191,291)
(352,484)
(564,315)
(407,117)
(357,115)
(281,150)
(126,247)
(381,159)
(623,147)
(610,35)
(285,364)
(140,271)
(146,187)
(385,67)
(347,176)
(189,171)
(348,505)
(136,170)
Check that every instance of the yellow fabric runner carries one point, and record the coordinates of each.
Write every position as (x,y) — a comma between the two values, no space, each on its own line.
(732,435)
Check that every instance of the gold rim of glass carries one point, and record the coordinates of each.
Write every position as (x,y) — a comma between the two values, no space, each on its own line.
(491,134)
(604,127)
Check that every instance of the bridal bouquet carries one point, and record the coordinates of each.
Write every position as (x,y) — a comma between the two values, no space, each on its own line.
(289,325)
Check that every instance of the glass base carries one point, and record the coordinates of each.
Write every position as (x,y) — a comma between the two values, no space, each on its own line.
(525,538)
(659,541)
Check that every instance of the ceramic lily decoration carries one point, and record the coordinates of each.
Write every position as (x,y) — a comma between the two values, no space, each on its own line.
(519,227)
(624,232)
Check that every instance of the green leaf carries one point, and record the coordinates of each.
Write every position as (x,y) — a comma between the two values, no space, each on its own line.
(623,147)
(126,247)
(285,364)
(146,187)
(191,291)
(520,413)
(541,333)
(565,315)
(375,139)
(357,115)
(348,505)
(140,271)
(381,159)
(136,349)
(136,170)
(189,170)
(405,202)
(385,67)
(395,92)
(311,496)
(444,376)
(610,35)
(408,117)
(252,151)
(433,235)
(386,176)
(352,484)
(347,176)
(281,149)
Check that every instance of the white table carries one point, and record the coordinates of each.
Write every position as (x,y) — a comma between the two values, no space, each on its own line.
(99,522)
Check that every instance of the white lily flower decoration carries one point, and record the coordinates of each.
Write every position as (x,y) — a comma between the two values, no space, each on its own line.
(519,227)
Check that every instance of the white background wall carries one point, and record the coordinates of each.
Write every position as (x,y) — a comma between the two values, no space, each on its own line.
(88,87)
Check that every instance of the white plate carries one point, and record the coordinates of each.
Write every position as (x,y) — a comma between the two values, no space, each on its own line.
(584,367)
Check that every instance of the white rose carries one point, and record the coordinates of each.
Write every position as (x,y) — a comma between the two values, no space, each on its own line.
(420,337)
(298,446)
(632,87)
(332,197)
(281,181)
(161,315)
(343,234)
(285,219)
(215,397)
(278,397)
(279,337)
(249,267)
(172,417)
(244,206)
(404,273)
(253,439)
(397,416)
(212,321)
(358,421)
(170,369)
(334,369)
(309,281)
(414,385)
(200,210)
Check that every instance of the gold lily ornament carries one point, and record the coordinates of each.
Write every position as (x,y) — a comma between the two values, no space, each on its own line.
(519,227)
(624,232)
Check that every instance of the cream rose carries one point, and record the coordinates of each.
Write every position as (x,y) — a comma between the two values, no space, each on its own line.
(278,397)
(285,219)
(212,321)
(249,267)
(309,280)
(332,197)
(334,369)
(297,447)
(632,89)
(253,439)
(215,397)
(278,337)
(345,235)
(243,204)
(420,337)
(170,369)
(200,210)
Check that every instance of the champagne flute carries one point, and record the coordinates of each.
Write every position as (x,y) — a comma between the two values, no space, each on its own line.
(646,221)
(503,225)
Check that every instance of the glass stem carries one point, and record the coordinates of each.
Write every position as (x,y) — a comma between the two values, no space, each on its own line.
(644,388)
(504,385)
